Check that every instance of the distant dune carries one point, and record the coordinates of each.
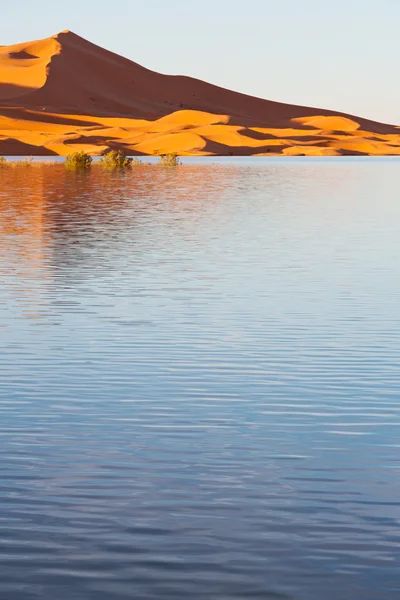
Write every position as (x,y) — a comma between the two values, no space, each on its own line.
(64,94)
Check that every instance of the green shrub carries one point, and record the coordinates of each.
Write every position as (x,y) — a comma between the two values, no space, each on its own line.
(78,160)
(169,160)
(116,159)
(3,162)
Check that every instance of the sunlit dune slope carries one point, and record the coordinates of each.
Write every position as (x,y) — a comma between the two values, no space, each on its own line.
(64,94)
(24,67)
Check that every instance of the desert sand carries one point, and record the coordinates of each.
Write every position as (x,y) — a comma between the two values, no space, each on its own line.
(64,94)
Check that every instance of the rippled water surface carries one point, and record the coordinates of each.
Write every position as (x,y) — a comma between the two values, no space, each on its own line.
(199,382)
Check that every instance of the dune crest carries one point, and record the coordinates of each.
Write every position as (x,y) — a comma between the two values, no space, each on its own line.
(63,94)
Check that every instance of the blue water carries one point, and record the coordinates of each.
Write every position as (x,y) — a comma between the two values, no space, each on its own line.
(199,381)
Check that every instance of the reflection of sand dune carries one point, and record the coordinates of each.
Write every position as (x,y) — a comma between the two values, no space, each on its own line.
(23,245)
(52,223)
(63,93)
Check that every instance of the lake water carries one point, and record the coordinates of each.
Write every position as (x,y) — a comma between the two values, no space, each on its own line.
(200,382)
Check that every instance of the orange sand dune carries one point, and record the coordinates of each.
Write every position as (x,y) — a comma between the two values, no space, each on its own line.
(64,94)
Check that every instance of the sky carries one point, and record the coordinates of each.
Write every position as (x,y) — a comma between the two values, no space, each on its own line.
(336,54)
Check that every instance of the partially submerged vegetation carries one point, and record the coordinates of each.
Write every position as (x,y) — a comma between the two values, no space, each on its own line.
(24,162)
(116,159)
(169,160)
(78,161)
(81,161)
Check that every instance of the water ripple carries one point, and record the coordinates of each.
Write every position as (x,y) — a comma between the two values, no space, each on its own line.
(199,384)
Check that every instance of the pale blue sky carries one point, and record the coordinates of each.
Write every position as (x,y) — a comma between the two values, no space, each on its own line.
(340,54)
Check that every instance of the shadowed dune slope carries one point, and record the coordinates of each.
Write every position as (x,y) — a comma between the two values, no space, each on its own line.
(55,93)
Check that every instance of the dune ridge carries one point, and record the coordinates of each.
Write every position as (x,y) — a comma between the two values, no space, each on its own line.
(63,94)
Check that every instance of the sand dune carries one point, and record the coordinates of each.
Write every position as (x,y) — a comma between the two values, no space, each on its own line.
(64,94)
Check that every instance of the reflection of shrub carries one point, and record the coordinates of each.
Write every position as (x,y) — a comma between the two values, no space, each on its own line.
(78,160)
(116,159)
(169,160)
(3,162)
